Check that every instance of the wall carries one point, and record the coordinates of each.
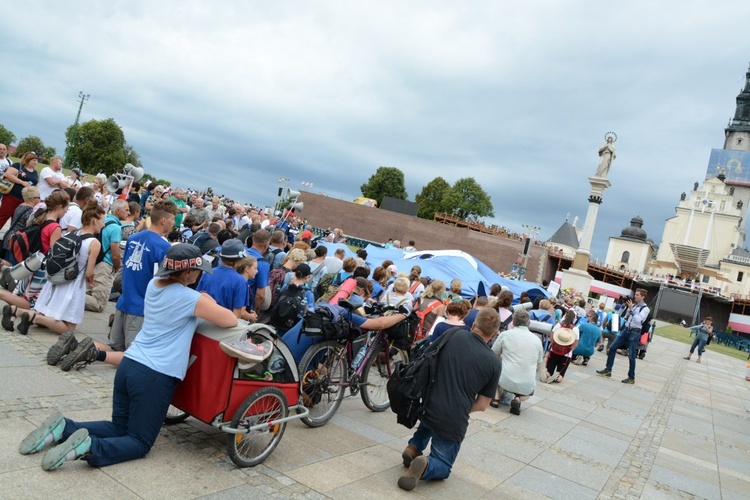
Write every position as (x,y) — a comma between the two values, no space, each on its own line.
(379,225)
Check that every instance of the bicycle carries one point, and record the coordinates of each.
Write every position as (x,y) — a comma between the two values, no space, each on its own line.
(326,372)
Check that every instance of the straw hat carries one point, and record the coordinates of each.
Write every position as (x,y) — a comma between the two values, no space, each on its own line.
(564,336)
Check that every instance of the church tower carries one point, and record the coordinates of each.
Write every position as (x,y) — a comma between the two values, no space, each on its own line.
(737,132)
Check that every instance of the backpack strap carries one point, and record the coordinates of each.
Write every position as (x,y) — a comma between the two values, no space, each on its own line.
(109,249)
(444,339)
(414,286)
(423,314)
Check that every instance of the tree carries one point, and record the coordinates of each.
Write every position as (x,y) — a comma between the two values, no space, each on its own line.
(467,199)
(132,156)
(432,198)
(387,181)
(6,136)
(35,144)
(99,146)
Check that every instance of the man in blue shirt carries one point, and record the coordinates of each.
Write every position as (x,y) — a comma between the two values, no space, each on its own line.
(104,272)
(258,285)
(636,313)
(590,336)
(225,285)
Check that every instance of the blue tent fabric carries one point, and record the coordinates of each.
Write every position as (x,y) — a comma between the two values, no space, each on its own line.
(475,281)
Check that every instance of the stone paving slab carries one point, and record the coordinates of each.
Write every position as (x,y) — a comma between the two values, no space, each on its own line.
(680,432)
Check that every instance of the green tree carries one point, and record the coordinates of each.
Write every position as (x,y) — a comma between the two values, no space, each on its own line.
(432,198)
(99,146)
(387,181)
(467,199)
(6,136)
(35,144)
(132,156)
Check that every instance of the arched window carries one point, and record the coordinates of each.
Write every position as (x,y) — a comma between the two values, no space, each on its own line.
(625,257)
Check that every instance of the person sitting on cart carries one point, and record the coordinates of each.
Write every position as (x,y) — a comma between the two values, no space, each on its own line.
(152,367)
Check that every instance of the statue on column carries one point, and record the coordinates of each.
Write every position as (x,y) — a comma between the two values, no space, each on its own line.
(606,155)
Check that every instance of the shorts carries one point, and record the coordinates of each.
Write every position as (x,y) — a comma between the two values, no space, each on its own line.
(124,330)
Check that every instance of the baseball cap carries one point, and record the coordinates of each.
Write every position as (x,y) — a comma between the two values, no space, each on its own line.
(181,257)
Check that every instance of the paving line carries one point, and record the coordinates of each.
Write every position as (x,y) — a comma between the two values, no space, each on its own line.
(629,477)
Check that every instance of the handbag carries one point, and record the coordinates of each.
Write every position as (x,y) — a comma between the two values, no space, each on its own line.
(5,186)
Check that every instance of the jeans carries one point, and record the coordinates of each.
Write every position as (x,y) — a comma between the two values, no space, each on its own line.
(700,342)
(442,452)
(139,404)
(630,338)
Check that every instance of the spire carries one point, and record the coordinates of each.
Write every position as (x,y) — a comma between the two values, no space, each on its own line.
(741,120)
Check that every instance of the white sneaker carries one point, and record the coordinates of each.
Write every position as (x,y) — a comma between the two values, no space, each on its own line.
(247,351)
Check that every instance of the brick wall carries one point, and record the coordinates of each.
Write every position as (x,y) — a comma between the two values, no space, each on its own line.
(379,225)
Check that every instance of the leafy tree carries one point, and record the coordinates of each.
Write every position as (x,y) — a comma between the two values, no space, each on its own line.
(467,199)
(432,198)
(6,136)
(387,181)
(34,143)
(99,146)
(132,156)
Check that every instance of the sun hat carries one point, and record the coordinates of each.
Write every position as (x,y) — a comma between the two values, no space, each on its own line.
(564,336)
(181,257)
(233,249)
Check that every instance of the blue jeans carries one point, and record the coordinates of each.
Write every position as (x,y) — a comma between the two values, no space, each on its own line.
(630,338)
(442,452)
(139,404)
(700,342)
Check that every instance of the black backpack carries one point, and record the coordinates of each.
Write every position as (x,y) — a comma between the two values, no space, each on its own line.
(409,385)
(61,265)
(288,309)
(503,326)
(646,325)
(270,256)
(103,251)
(199,238)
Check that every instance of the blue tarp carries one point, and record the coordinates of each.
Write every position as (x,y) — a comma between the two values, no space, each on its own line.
(475,280)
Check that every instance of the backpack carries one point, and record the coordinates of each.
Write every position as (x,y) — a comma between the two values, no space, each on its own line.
(288,310)
(270,256)
(275,283)
(420,331)
(199,238)
(27,240)
(646,325)
(102,251)
(410,384)
(328,286)
(558,349)
(62,259)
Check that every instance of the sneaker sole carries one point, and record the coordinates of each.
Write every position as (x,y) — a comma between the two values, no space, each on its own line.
(241,355)
(72,358)
(57,456)
(35,441)
(65,344)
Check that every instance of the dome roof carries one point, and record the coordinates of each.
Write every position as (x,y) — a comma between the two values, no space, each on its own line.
(635,230)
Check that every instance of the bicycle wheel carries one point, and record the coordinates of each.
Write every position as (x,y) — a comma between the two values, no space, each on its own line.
(323,372)
(376,374)
(174,415)
(262,406)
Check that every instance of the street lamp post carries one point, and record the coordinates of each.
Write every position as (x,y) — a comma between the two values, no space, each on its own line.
(74,130)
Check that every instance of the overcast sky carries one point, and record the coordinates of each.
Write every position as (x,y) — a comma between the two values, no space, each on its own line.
(517,95)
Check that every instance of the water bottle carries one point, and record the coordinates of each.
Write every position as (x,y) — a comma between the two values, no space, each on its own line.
(302,308)
(360,356)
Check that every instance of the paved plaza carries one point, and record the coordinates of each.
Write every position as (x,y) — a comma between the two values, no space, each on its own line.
(682,431)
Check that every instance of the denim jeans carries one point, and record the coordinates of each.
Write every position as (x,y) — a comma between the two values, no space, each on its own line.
(442,452)
(630,338)
(700,342)
(139,404)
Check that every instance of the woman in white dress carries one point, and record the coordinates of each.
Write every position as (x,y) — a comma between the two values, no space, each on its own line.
(60,307)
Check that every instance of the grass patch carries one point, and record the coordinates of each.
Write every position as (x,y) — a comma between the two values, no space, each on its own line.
(681,334)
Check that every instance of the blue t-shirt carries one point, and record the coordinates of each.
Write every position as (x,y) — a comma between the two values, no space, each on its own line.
(169,323)
(111,233)
(226,286)
(261,279)
(143,254)
(441,328)
(590,334)
(469,319)
(377,290)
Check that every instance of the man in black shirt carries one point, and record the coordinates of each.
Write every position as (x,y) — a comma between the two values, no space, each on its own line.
(467,376)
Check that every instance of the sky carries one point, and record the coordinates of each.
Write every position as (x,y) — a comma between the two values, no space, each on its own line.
(518,95)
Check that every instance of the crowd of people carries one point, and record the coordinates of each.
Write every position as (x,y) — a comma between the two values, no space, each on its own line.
(169,256)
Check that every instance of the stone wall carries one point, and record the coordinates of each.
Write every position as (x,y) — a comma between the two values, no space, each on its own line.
(379,225)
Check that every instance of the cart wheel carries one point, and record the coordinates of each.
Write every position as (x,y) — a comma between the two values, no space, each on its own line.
(375,377)
(323,372)
(261,407)
(175,415)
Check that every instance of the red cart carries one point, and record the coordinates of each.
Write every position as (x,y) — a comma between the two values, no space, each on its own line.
(217,391)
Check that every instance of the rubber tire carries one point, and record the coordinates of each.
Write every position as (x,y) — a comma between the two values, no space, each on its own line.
(334,399)
(269,399)
(378,383)
(175,416)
